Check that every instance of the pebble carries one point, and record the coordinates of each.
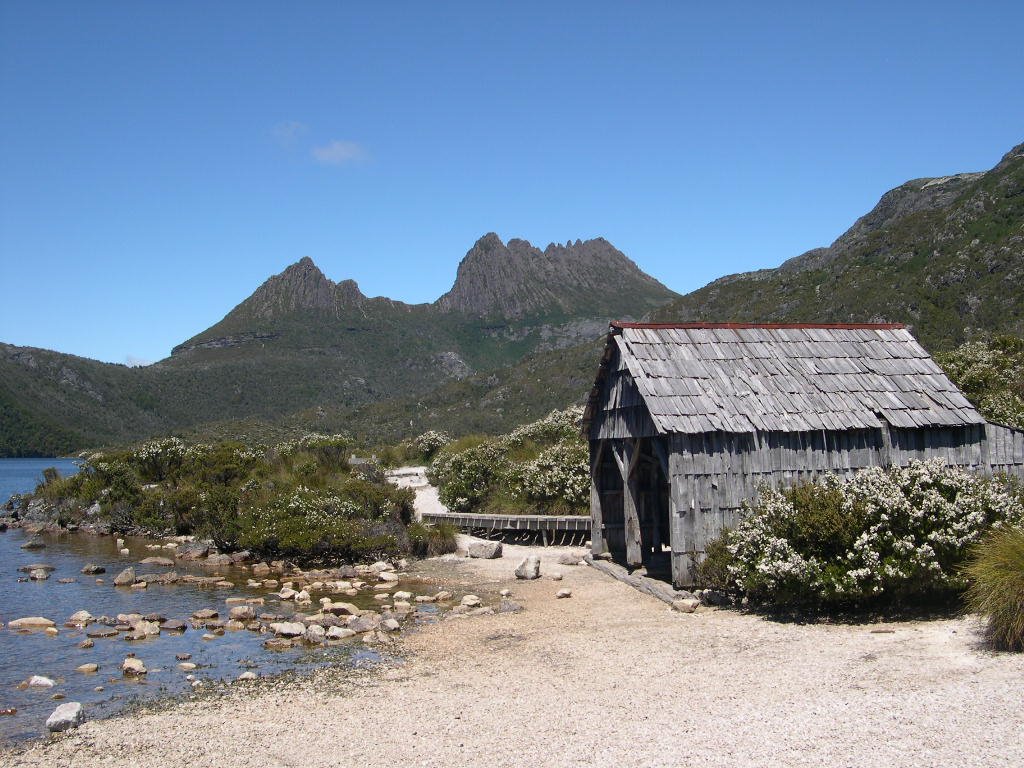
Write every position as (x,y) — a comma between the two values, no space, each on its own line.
(563,593)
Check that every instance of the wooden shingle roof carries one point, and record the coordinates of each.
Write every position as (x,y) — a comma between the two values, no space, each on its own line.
(740,378)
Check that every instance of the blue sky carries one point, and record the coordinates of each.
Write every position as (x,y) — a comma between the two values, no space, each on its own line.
(160,160)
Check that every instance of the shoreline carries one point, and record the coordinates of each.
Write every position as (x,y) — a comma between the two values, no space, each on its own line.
(608,676)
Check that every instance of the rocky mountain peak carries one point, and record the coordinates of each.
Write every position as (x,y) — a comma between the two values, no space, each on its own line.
(301,286)
(517,279)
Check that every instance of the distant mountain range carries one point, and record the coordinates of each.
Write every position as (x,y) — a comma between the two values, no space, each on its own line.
(302,341)
(516,335)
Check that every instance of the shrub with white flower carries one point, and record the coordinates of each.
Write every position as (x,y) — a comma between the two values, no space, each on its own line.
(430,442)
(884,535)
(540,467)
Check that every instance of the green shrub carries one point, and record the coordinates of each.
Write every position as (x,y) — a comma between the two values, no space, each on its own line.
(539,468)
(432,540)
(996,573)
(713,571)
(884,537)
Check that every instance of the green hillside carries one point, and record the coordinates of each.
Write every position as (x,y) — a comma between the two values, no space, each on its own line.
(945,256)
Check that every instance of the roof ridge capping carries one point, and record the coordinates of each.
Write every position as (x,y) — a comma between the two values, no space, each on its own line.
(838,326)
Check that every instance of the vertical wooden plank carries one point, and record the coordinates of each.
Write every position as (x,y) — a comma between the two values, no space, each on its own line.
(626,455)
(597,544)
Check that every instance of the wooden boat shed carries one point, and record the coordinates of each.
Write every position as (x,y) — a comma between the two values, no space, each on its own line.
(687,421)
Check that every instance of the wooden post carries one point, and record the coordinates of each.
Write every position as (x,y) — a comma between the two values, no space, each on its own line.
(597,543)
(626,454)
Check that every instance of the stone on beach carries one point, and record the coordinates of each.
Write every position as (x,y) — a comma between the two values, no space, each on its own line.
(569,559)
(563,593)
(529,569)
(686,605)
(471,601)
(339,633)
(484,550)
(65,717)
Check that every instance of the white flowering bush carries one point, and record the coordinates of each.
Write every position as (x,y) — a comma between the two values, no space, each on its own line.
(539,467)
(883,536)
(430,442)
(559,473)
(157,459)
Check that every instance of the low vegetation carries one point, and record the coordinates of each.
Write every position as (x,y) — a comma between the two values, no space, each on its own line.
(996,571)
(298,500)
(884,538)
(537,468)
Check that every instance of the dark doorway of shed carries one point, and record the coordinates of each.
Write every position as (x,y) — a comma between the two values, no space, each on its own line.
(652,500)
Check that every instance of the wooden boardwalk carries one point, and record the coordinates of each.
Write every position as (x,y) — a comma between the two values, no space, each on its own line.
(550,529)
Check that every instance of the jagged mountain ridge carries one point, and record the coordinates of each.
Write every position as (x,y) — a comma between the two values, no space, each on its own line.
(518,280)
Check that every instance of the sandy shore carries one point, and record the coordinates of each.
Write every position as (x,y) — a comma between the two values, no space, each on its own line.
(608,677)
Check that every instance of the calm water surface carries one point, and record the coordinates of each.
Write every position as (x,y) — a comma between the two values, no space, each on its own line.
(23,654)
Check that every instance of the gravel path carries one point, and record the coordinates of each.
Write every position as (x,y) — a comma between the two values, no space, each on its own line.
(608,677)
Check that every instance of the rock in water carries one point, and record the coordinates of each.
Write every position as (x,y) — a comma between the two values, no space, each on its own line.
(164,561)
(31,622)
(288,628)
(529,568)
(65,717)
(92,569)
(125,578)
(132,667)
(38,681)
(484,550)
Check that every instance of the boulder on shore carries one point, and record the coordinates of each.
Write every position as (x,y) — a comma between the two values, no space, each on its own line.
(484,550)
(529,569)
(65,717)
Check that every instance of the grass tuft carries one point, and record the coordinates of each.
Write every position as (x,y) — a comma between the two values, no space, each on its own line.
(997,587)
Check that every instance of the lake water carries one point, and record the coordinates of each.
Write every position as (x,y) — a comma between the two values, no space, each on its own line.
(27,653)
(22,475)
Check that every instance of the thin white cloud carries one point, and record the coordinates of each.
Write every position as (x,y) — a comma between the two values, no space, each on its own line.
(136,362)
(286,134)
(338,152)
